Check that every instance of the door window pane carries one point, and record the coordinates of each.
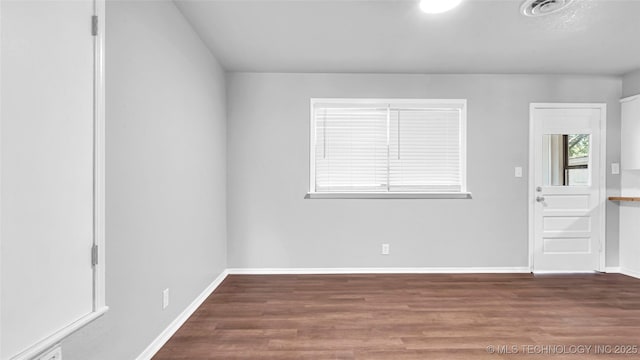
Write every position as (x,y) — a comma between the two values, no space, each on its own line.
(566,159)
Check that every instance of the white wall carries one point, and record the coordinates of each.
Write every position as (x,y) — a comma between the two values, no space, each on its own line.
(270,224)
(165,177)
(631,84)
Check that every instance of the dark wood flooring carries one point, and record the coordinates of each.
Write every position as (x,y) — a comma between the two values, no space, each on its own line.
(414,317)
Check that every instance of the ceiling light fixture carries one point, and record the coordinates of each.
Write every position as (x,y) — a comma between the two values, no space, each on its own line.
(535,8)
(438,6)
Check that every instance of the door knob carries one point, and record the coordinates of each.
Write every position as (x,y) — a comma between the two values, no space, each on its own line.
(540,198)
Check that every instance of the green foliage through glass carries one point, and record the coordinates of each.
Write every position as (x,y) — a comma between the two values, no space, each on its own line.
(578,145)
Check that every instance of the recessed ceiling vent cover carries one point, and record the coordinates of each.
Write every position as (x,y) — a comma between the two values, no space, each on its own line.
(543,7)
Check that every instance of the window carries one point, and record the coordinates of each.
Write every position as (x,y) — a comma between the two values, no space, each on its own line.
(566,159)
(388,148)
(576,164)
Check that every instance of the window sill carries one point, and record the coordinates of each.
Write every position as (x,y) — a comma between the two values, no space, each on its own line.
(399,195)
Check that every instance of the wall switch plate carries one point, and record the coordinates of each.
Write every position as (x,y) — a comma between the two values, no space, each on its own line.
(518,171)
(53,354)
(385,249)
(615,168)
(165,298)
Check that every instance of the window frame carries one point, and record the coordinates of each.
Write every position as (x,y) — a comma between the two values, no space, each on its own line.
(565,160)
(457,103)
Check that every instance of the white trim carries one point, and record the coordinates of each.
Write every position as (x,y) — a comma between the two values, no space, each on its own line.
(168,332)
(388,195)
(312,145)
(531,185)
(603,187)
(1,180)
(562,272)
(99,280)
(612,270)
(603,173)
(454,103)
(399,270)
(629,98)
(568,105)
(463,146)
(632,273)
(59,335)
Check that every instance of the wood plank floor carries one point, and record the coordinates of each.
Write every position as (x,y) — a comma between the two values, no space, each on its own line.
(414,317)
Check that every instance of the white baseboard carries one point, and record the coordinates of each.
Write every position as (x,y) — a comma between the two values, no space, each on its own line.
(629,272)
(411,270)
(563,272)
(612,269)
(158,342)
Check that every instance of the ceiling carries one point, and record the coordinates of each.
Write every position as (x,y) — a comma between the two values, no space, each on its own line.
(393,36)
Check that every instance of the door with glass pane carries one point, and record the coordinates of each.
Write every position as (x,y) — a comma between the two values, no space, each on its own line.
(567,179)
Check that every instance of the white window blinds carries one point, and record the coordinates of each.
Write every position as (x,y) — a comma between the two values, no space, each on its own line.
(380,146)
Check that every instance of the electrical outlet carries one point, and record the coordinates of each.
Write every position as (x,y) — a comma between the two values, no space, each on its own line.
(53,354)
(385,249)
(165,298)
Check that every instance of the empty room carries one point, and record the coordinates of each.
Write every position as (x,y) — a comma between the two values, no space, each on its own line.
(319,179)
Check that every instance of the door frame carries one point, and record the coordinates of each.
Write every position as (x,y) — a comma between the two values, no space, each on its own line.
(602,201)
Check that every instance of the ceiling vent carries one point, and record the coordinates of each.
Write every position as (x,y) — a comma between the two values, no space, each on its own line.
(536,8)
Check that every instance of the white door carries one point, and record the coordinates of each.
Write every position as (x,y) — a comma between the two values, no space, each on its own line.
(567,182)
(47,149)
